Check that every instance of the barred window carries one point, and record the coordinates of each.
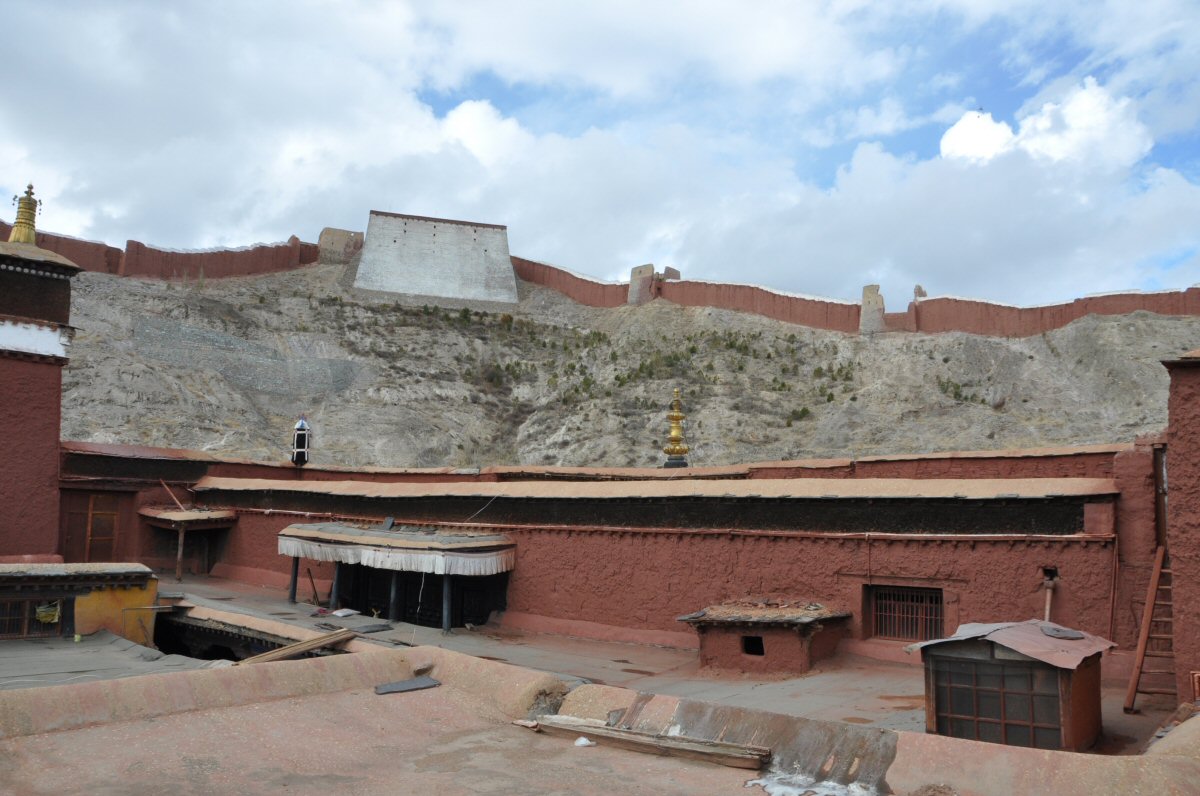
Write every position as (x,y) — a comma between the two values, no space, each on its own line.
(30,618)
(904,613)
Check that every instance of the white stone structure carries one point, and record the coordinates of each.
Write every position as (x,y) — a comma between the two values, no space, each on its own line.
(438,258)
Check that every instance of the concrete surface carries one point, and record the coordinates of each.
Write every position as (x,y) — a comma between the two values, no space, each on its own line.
(847,688)
(35,662)
(349,742)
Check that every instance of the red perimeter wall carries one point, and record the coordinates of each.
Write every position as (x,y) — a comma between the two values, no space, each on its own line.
(929,316)
(30,400)
(144,261)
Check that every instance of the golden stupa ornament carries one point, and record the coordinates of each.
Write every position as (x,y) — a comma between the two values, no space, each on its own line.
(676,449)
(23,229)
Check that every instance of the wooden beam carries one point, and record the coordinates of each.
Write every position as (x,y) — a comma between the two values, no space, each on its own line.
(719,752)
(300,647)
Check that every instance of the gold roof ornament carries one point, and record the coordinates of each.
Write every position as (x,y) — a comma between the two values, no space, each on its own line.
(676,449)
(23,229)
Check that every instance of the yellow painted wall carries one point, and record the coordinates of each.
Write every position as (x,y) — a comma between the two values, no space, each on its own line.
(123,611)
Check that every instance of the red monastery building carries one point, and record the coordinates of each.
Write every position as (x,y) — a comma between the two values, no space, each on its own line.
(763,568)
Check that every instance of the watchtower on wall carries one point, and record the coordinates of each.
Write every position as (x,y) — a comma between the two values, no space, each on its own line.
(437,258)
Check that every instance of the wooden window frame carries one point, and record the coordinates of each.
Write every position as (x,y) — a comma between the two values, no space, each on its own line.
(945,718)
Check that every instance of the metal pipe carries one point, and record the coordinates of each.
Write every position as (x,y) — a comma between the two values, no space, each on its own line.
(295,577)
(1049,584)
(1112,590)
(446,604)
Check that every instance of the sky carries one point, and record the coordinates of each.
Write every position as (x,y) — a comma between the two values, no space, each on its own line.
(1025,152)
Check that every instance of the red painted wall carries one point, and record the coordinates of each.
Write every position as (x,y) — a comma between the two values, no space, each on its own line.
(645,580)
(930,315)
(785,651)
(87,254)
(1183,518)
(30,412)
(583,291)
(980,317)
(144,261)
(814,313)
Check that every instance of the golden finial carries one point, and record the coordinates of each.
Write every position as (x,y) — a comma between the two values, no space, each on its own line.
(23,230)
(676,449)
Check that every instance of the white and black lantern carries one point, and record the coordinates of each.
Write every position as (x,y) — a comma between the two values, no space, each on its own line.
(301,440)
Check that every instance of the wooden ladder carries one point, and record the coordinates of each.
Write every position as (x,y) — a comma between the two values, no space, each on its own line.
(1155,638)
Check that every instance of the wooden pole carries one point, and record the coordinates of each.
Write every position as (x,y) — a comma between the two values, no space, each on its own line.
(295,577)
(446,604)
(179,558)
(334,604)
(394,598)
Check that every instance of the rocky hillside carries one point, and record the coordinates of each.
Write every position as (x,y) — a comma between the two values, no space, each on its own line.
(226,366)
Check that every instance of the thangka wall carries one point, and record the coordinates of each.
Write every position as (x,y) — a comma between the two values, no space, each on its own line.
(435,257)
(140,260)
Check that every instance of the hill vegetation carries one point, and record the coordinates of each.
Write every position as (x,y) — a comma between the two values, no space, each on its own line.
(227,365)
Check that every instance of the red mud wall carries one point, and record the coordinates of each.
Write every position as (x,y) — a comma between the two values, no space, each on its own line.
(88,255)
(1183,518)
(143,261)
(583,291)
(644,580)
(30,401)
(745,298)
(996,320)
(930,315)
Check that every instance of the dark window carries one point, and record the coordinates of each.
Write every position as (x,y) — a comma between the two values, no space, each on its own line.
(30,618)
(904,613)
(753,645)
(1014,703)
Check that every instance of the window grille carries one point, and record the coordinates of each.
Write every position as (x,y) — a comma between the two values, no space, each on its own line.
(905,614)
(21,619)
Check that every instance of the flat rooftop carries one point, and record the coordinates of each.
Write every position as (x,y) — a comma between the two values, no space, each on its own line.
(847,688)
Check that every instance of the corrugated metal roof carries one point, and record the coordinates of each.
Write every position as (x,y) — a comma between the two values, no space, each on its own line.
(1031,638)
(793,488)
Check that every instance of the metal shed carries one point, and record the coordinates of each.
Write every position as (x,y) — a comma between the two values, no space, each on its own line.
(1031,683)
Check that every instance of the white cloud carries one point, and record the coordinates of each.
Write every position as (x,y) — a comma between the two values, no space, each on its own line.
(692,134)
(976,137)
(1087,125)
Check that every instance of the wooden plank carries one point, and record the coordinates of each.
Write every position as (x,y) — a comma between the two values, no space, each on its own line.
(300,647)
(719,752)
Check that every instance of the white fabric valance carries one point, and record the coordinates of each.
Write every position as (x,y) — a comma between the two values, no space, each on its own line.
(434,562)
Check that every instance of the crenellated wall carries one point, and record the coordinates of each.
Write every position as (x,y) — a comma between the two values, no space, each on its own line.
(930,316)
(140,260)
